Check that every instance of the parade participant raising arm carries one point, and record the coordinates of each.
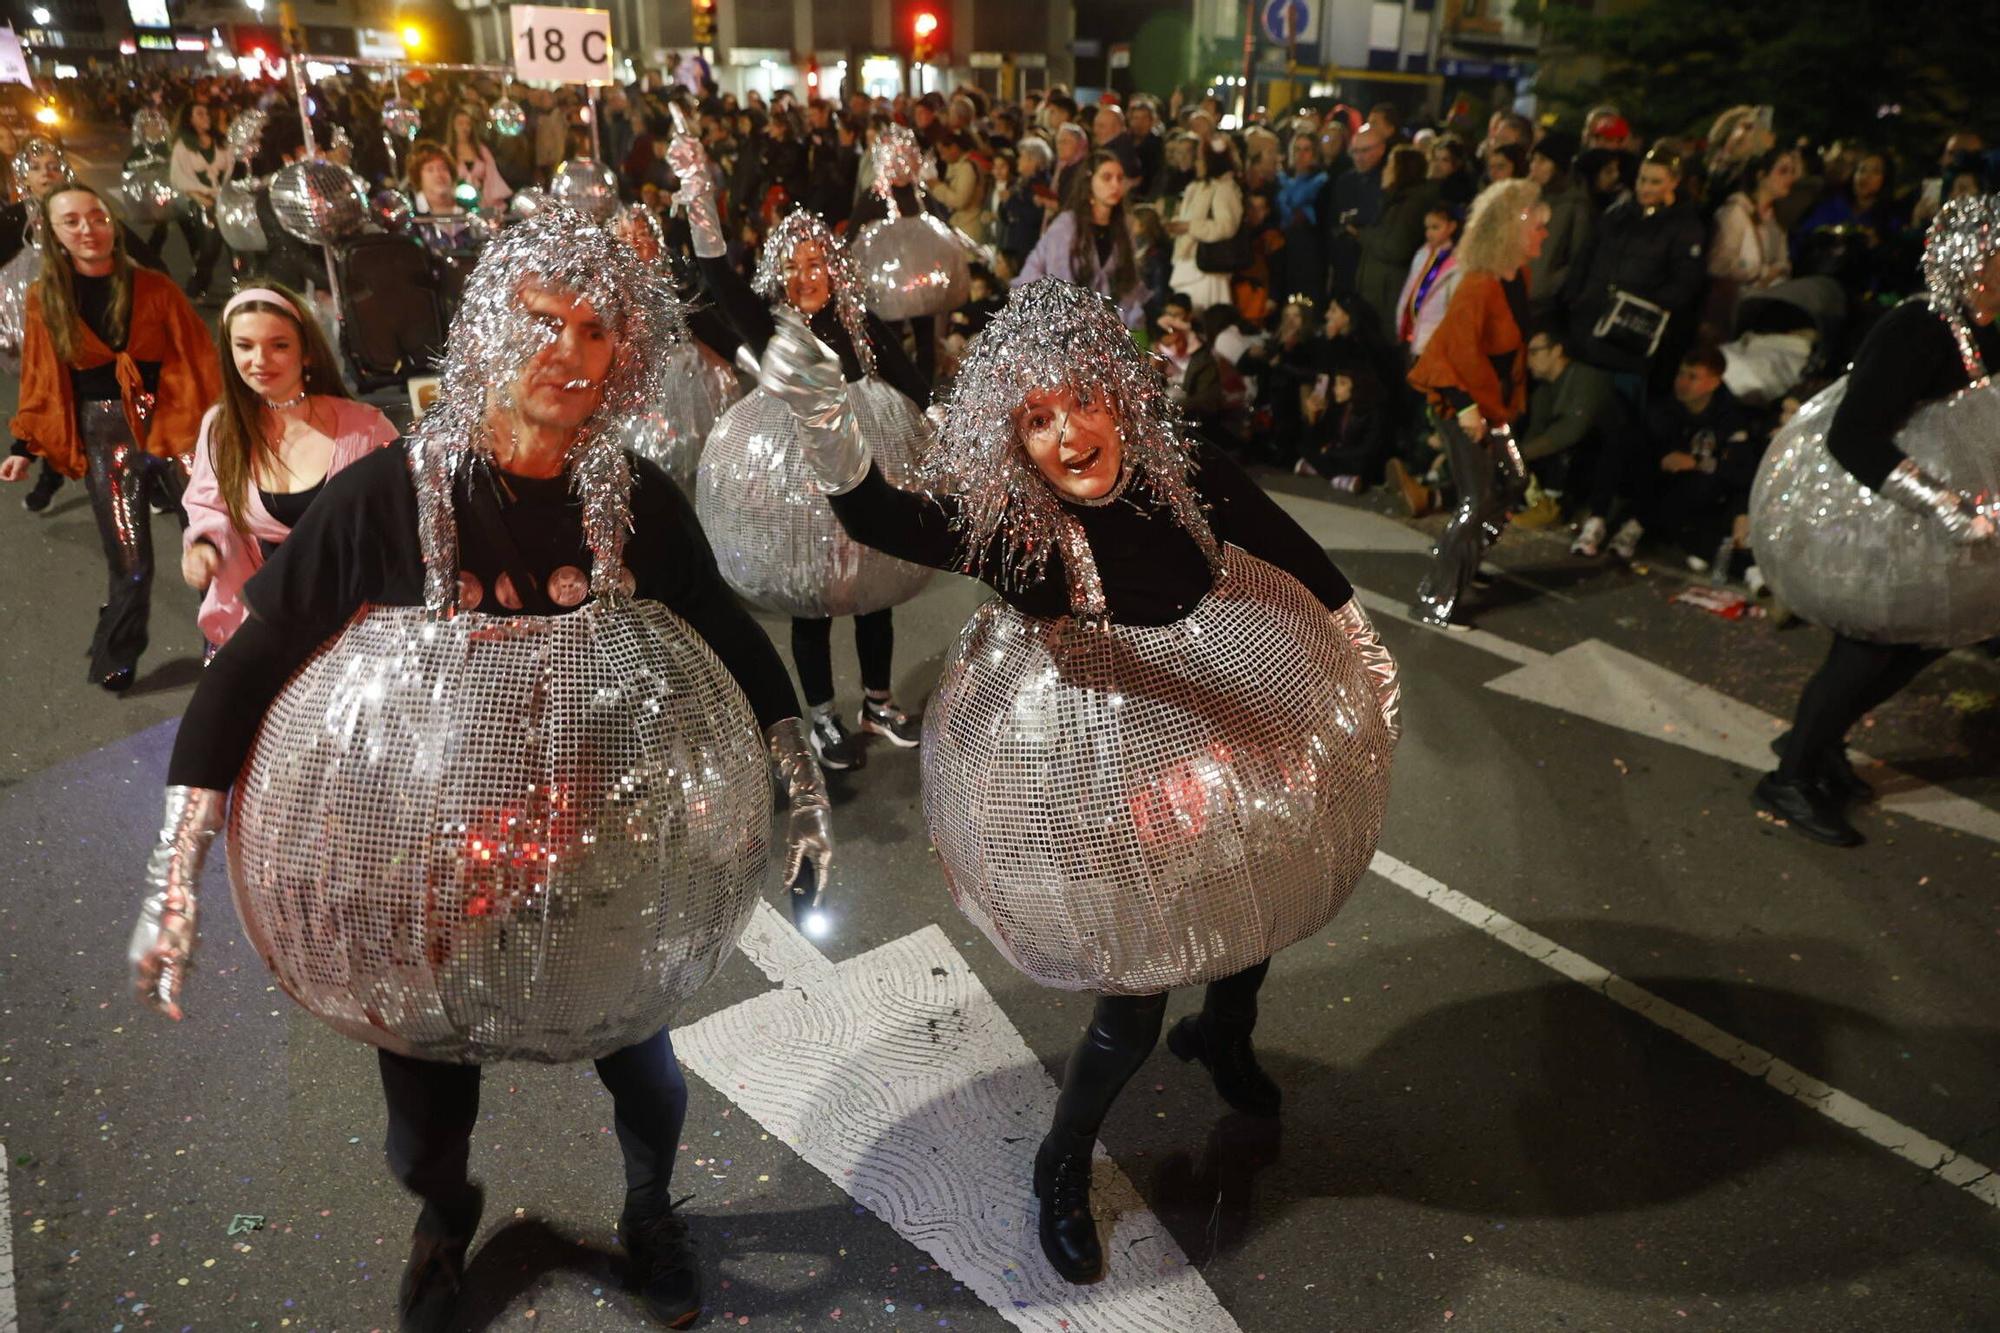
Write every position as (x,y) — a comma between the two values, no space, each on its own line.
(514,499)
(116,370)
(283,425)
(1164,755)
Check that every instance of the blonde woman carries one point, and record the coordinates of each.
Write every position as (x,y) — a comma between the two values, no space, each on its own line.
(1475,373)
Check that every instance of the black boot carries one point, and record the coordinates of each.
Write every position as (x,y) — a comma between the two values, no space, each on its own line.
(1225,1049)
(1062,1183)
(1808,808)
(44,490)
(663,1267)
(429,1293)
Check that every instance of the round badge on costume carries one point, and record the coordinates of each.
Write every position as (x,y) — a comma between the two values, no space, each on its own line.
(505,594)
(471,592)
(568,586)
(628,582)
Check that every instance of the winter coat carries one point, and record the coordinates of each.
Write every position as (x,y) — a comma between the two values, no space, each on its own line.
(1213,210)
(1654,255)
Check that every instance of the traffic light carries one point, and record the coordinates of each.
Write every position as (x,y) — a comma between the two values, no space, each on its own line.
(925,27)
(704,22)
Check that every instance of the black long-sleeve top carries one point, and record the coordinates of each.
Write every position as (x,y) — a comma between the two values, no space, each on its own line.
(357,546)
(1908,359)
(754,324)
(1152,570)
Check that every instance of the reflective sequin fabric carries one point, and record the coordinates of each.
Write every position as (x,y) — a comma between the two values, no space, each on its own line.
(1839,554)
(495,837)
(911,266)
(670,433)
(1126,809)
(16,277)
(236,218)
(146,192)
(776,538)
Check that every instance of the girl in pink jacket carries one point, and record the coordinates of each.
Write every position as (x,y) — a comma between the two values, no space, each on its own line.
(282,426)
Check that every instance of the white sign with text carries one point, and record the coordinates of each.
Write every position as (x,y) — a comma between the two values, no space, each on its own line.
(562,45)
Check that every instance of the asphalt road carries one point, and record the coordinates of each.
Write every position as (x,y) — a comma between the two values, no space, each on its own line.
(1597,1049)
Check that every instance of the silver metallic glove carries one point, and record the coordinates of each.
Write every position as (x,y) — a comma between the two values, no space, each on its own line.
(163,940)
(809,823)
(1360,631)
(746,361)
(696,195)
(1919,492)
(804,373)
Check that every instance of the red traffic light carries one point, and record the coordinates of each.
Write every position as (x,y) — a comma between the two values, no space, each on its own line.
(925,23)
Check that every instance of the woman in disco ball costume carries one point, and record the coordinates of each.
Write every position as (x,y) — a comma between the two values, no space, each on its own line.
(912,266)
(779,543)
(1874,513)
(199,167)
(1163,754)
(519,808)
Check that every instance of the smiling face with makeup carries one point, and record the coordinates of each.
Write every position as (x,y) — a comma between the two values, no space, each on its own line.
(1075,444)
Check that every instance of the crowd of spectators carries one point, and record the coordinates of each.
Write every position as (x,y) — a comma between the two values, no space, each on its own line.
(1690,291)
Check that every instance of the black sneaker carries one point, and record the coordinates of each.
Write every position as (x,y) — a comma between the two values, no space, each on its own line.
(881,717)
(428,1296)
(663,1269)
(44,490)
(836,749)
(1807,809)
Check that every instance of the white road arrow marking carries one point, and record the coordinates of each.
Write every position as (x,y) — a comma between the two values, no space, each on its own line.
(898,1076)
(1609,685)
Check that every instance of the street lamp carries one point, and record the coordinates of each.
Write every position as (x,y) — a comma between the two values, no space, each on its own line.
(256,6)
(41,16)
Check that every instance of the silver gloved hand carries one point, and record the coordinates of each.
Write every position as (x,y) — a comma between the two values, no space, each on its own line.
(1955,513)
(163,941)
(746,361)
(1507,451)
(696,195)
(1359,630)
(809,822)
(804,373)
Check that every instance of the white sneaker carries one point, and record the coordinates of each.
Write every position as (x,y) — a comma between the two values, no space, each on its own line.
(1625,544)
(1590,540)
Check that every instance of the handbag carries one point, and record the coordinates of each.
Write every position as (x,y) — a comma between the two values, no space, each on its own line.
(1229,255)
(1632,324)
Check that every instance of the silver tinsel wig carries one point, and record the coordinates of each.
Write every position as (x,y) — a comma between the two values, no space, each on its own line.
(1051,335)
(561,249)
(797,227)
(1963,238)
(897,158)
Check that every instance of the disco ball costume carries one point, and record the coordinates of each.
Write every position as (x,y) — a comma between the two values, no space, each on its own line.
(500,790)
(913,264)
(1163,754)
(1875,510)
(528,835)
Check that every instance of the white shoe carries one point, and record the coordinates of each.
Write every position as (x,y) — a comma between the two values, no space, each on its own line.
(1590,540)
(1625,544)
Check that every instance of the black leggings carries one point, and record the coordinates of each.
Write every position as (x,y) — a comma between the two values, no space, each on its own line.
(433,1107)
(1855,678)
(204,242)
(1122,1033)
(812,652)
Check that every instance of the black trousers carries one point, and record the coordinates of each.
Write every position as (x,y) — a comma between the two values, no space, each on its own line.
(433,1106)
(1856,677)
(812,651)
(118,476)
(1122,1033)
(204,242)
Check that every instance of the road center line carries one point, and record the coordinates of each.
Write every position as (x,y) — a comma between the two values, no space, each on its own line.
(10,1315)
(1941,1160)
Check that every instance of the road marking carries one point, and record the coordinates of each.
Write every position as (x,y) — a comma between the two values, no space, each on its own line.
(1605,684)
(1940,1160)
(10,1315)
(898,1076)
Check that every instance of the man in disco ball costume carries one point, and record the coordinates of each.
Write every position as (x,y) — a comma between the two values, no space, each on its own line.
(1164,753)
(778,542)
(576,832)
(1823,538)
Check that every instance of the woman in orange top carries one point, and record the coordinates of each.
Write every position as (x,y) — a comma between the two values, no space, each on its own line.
(116,371)
(1475,372)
